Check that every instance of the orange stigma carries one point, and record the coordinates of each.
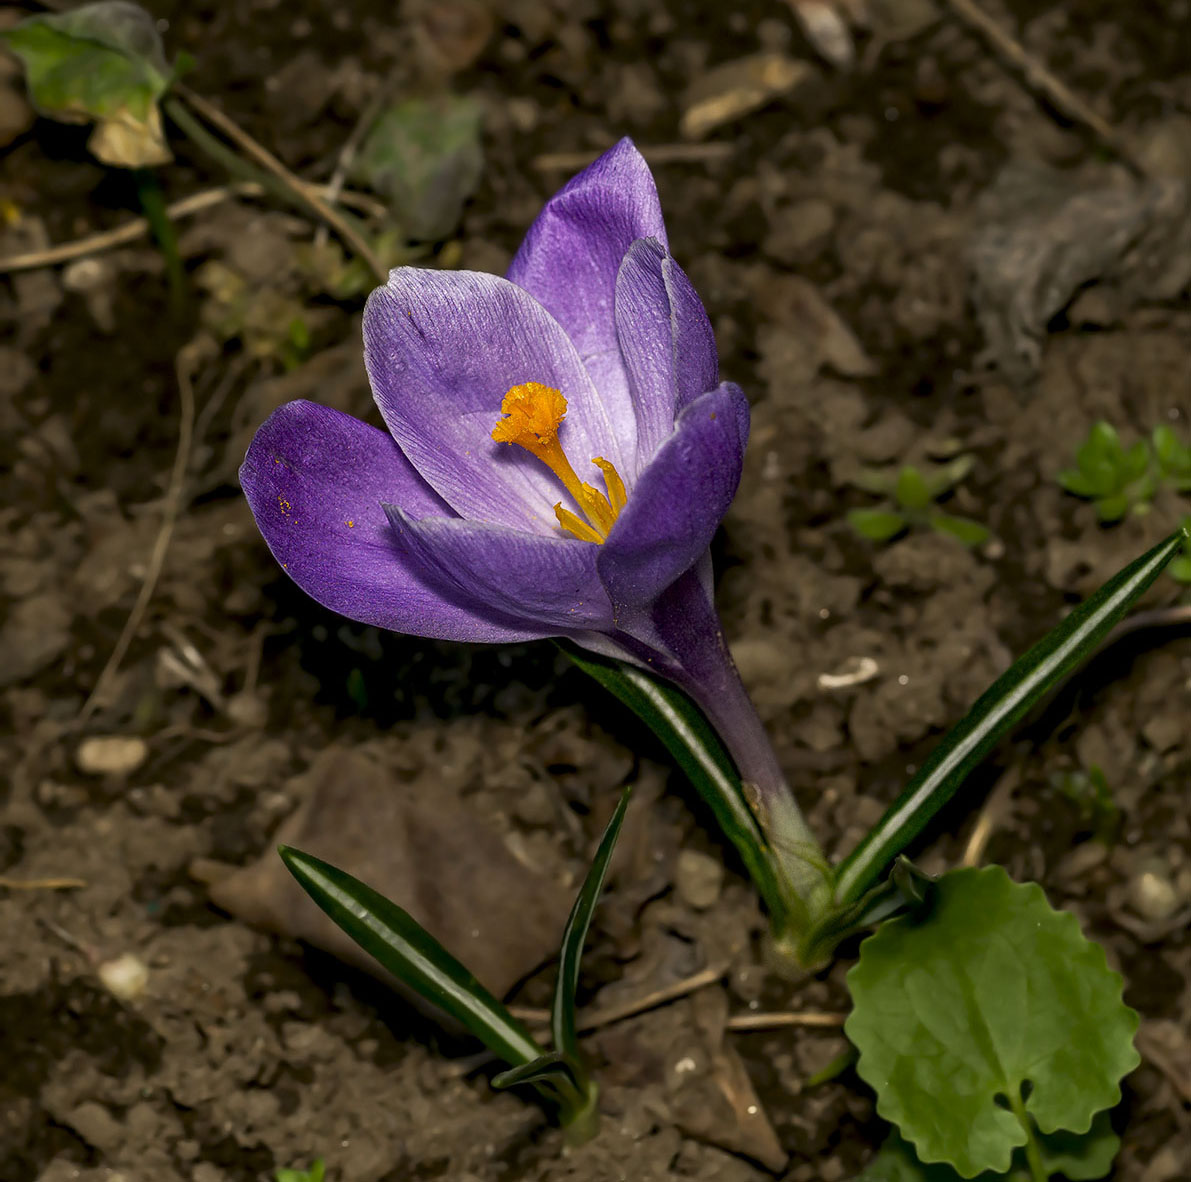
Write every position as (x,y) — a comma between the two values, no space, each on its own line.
(532,414)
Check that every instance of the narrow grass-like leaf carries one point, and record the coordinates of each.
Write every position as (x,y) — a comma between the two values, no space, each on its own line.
(687,735)
(412,954)
(549,1068)
(562,1012)
(946,768)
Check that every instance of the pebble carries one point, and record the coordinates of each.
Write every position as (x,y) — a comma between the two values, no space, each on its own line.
(125,977)
(1152,892)
(111,755)
(699,879)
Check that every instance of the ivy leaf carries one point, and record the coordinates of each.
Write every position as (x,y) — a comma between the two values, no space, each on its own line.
(100,63)
(424,156)
(1077,1158)
(990,1010)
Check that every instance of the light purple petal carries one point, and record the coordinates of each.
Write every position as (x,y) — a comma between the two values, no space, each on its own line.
(315,479)
(571,255)
(679,499)
(665,339)
(442,348)
(548,583)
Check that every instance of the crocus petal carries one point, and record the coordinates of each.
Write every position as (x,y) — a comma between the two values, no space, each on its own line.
(547,584)
(442,348)
(665,339)
(571,255)
(679,499)
(315,479)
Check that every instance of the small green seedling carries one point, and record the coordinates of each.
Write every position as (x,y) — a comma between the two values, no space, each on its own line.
(316,1173)
(1089,792)
(1174,459)
(1116,479)
(403,947)
(910,503)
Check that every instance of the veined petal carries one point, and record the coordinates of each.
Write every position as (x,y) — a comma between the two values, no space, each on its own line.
(665,339)
(315,479)
(571,255)
(679,499)
(549,585)
(442,348)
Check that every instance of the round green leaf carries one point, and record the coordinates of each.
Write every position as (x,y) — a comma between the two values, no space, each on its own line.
(992,990)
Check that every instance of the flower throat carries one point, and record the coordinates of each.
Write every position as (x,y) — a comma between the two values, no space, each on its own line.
(532,414)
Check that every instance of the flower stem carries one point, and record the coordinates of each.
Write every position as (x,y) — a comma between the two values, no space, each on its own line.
(690,630)
(1038,1171)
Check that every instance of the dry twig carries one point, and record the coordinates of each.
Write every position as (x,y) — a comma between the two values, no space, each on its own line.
(598,1019)
(171,507)
(707,153)
(1038,76)
(130,231)
(266,160)
(780,1019)
(41,884)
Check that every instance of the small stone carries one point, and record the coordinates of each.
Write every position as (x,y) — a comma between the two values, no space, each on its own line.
(111,755)
(801,233)
(1152,891)
(96,1125)
(698,879)
(126,976)
(734,89)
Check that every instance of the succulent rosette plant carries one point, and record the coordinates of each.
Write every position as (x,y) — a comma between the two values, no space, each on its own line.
(560,451)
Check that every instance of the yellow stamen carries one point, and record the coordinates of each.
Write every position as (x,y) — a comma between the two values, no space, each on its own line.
(613,483)
(532,414)
(576,525)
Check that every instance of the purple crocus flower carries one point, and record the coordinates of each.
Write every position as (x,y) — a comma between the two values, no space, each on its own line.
(559,453)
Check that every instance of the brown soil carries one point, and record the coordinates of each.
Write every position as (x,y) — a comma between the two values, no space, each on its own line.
(830,241)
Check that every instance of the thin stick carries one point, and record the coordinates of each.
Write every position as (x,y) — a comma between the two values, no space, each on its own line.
(707,153)
(776,1021)
(137,228)
(41,884)
(598,1019)
(266,160)
(351,145)
(1040,78)
(171,508)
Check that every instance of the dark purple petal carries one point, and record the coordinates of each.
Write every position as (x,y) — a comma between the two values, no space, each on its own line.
(315,479)
(571,255)
(665,339)
(678,502)
(549,583)
(442,348)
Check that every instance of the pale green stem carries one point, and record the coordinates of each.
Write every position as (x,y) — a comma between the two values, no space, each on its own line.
(1033,1152)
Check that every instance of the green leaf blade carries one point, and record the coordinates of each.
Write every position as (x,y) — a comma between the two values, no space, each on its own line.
(398,942)
(877,525)
(963,529)
(562,1012)
(912,490)
(1002,705)
(692,743)
(992,990)
(101,62)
